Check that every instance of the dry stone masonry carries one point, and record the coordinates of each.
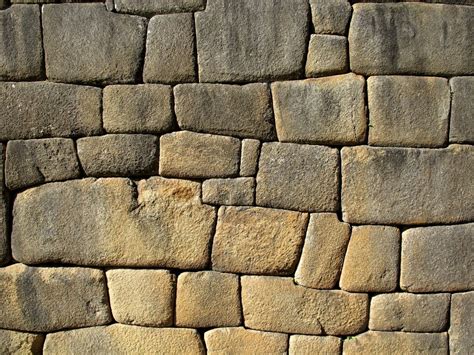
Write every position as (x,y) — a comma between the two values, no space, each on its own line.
(236,177)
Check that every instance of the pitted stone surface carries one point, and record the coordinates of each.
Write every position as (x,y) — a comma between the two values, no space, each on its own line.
(327,55)
(237,192)
(461,128)
(314,345)
(151,7)
(461,331)
(16,343)
(330,17)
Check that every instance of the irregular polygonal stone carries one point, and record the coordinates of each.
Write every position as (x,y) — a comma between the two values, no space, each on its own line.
(408,111)
(407,186)
(4,244)
(16,343)
(298,177)
(409,312)
(255,240)
(110,222)
(237,192)
(49,299)
(249,157)
(35,161)
(241,111)
(251,40)
(314,345)
(207,299)
(438,259)
(119,155)
(170,52)
(323,253)
(142,297)
(277,304)
(330,17)
(461,128)
(461,331)
(124,339)
(151,7)
(327,54)
(195,155)
(87,43)
(42,109)
(138,109)
(320,111)
(399,39)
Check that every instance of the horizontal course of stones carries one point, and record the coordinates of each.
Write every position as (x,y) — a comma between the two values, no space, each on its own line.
(223,176)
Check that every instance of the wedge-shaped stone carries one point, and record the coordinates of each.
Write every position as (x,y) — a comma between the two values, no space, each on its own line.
(314,345)
(257,240)
(407,186)
(461,331)
(104,222)
(124,339)
(49,299)
(330,17)
(151,7)
(241,111)
(237,192)
(16,343)
(42,109)
(86,43)
(399,39)
(277,304)
(461,128)
(4,243)
(251,40)
(438,259)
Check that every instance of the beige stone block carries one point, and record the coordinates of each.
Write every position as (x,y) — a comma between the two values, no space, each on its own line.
(330,17)
(461,331)
(16,343)
(237,192)
(314,345)
(250,152)
(327,55)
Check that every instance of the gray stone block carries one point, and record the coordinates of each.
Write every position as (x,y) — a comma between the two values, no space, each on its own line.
(461,129)
(249,157)
(152,7)
(4,211)
(237,192)
(327,55)
(461,331)
(330,17)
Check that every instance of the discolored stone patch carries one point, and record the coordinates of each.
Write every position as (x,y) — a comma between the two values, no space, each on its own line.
(16,343)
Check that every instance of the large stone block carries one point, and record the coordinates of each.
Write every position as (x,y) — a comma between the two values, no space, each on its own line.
(314,345)
(237,192)
(330,17)
(251,40)
(111,222)
(461,127)
(407,186)
(327,55)
(16,343)
(461,331)
(151,7)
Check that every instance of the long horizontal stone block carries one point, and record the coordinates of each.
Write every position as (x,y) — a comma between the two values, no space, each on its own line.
(151,7)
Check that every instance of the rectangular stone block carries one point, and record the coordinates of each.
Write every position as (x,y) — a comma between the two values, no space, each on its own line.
(461,331)
(407,186)
(314,345)
(4,214)
(250,153)
(237,192)
(16,343)
(327,55)
(330,17)
(461,129)
(151,7)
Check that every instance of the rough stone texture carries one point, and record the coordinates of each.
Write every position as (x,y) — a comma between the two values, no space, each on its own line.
(408,111)
(298,177)
(31,110)
(407,186)
(314,345)
(364,269)
(119,155)
(16,343)
(461,331)
(151,7)
(196,155)
(207,299)
(399,39)
(142,297)
(438,259)
(241,341)
(330,17)
(138,109)
(110,222)
(170,49)
(124,339)
(4,4)
(257,240)
(327,54)
(409,312)
(242,111)
(323,253)
(250,152)
(4,242)
(21,51)
(35,161)
(251,40)
(277,304)
(49,299)
(85,43)
(321,111)
(462,110)
(238,192)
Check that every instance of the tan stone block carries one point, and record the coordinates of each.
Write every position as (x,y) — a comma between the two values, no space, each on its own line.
(16,343)
(461,128)
(314,345)
(250,152)
(327,55)
(4,212)
(461,331)
(330,16)
(238,191)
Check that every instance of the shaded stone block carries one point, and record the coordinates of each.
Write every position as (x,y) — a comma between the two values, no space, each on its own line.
(327,55)
(462,110)
(330,17)
(151,7)
(238,191)
(461,331)
(16,343)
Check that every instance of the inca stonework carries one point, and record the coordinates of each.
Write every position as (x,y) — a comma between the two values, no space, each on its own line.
(236,177)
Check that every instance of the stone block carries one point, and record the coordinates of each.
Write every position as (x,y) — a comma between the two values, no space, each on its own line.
(461,129)
(4,215)
(151,7)
(330,17)
(249,157)
(314,345)
(327,55)
(16,343)
(461,331)
(237,192)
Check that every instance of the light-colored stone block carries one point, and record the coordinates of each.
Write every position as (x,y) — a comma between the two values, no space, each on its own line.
(314,345)
(461,331)
(237,192)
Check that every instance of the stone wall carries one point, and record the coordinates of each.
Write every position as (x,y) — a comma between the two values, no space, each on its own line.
(236,177)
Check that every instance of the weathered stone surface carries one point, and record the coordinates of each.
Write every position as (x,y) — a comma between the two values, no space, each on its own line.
(255,240)
(196,155)
(119,155)
(242,111)
(4,244)
(109,222)
(408,111)
(409,312)
(42,109)
(21,51)
(49,299)
(407,186)
(323,253)
(461,331)
(330,17)
(250,152)
(314,345)
(251,40)
(16,343)
(142,297)
(277,304)
(298,177)
(321,111)
(31,162)
(151,7)
(87,43)
(138,109)
(438,259)
(327,55)
(237,192)
(207,299)
(462,110)
(170,49)
(399,39)
(240,341)
(124,339)
(364,269)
